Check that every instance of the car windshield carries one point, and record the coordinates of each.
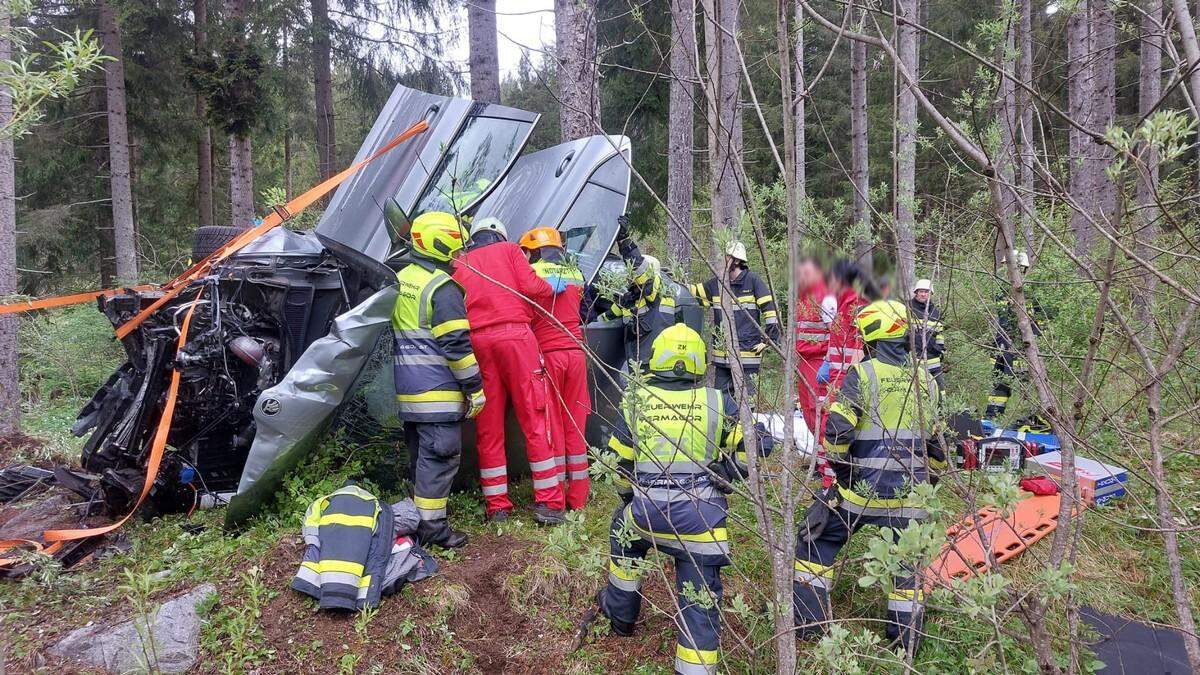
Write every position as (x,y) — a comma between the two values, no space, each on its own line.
(590,226)
(477,159)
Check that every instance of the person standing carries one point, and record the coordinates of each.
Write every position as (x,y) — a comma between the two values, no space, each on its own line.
(1008,361)
(559,334)
(644,308)
(502,290)
(436,375)
(755,318)
(815,312)
(926,320)
(880,443)
(678,451)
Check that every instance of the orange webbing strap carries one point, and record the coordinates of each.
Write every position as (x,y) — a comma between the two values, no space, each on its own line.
(65,300)
(966,554)
(55,537)
(277,216)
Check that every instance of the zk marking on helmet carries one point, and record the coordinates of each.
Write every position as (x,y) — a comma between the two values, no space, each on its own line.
(437,235)
(678,349)
(882,320)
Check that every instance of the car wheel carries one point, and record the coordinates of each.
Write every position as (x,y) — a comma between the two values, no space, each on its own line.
(210,238)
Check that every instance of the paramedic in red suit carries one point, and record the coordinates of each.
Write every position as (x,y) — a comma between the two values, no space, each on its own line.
(501,290)
(815,311)
(560,336)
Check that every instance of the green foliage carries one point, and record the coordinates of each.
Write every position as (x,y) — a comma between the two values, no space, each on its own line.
(230,80)
(234,631)
(34,78)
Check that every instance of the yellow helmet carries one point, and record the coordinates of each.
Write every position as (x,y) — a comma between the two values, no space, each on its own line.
(437,235)
(882,320)
(679,350)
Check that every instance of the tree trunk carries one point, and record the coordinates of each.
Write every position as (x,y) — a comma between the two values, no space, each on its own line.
(798,121)
(118,146)
(1025,104)
(323,90)
(1104,108)
(287,125)
(1191,50)
(204,175)
(10,388)
(1149,91)
(680,160)
(241,158)
(906,149)
(1079,103)
(860,177)
(729,112)
(1007,118)
(484,53)
(578,75)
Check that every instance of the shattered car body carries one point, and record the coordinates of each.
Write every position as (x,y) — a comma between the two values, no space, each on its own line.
(282,332)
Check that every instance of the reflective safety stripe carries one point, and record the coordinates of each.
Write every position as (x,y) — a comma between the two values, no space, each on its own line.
(494,472)
(577,459)
(906,600)
(544,465)
(623,572)
(431,508)
(623,451)
(414,333)
(336,566)
(430,408)
(888,463)
(819,325)
(676,466)
(813,574)
(998,399)
(493,490)
(745,358)
(705,493)
(836,448)
(349,521)
(579,474)
(897,508)
(764,299)
(418,360)
(449,327)
(544,483)
(695,661)
(877,433)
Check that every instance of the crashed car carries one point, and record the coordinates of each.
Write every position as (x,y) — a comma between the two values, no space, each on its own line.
(283,332)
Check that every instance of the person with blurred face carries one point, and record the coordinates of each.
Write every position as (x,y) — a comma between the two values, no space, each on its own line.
(815,311)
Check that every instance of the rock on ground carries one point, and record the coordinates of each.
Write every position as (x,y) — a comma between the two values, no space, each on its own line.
(121,649)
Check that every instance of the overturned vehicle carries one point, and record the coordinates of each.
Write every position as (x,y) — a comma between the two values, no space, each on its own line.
(292,329)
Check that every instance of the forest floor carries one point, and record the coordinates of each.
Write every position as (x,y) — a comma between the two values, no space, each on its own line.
(512,600)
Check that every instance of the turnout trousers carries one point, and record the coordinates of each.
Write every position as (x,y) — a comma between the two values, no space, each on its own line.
(434,452)
(510,364)
(814,576)
(723,379)
(815,407)
(569,406)
(698,609)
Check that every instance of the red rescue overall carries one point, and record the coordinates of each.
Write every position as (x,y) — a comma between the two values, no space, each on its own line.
(814,312)
(500,289)
(560,337)
(845,350)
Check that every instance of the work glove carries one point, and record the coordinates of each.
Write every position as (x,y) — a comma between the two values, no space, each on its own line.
(622,227)
(475,404)
(557,283)
(823,373)
(759,348)
(722,477)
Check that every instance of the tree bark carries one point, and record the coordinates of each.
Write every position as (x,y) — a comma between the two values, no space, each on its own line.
(204,174)
(10,387)
(1149,91)
(1191,50)
(1007,118)
(323,90)
(1104,109)
(484,60)
(801,95)
(681,144)
(724,74)
(860,177)
(1079,102)
(906,149)
(1025,105)
(241,158)
(578,74)
(120,178)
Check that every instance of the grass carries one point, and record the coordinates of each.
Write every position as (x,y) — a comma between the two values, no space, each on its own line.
(1119,568)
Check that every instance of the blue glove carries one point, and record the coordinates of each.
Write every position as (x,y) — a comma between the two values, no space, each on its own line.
(557,283)
(823,373)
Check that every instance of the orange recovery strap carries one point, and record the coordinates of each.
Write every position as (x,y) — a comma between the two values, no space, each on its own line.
(278,216)
(157,447)
(966,554)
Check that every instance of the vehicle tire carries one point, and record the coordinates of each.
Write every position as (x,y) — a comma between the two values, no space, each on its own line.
(210,238)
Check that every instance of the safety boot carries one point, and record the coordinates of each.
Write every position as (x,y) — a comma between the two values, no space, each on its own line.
(544,515)
(439,533)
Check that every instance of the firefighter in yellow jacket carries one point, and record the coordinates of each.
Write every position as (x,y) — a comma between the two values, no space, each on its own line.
(880,442)
(679,447)
(437,380)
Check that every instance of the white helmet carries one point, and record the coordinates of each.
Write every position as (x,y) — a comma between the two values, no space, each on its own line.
(923,285)
(489,223)
(736,250)
(649,267)
(1021,257)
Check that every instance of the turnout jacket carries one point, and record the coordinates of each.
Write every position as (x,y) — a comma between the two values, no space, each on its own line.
(925,319)
(645,308)
(880,436)
(753,305)
(676,442)
(352,556)
(434,365)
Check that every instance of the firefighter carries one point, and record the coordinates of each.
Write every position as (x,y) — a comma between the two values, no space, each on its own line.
(559,334)
(815,311)
(679,446)
(645,308)
(879,441)
(753,305)
(437,378)
(502,290)
(928,343)
(1007,361)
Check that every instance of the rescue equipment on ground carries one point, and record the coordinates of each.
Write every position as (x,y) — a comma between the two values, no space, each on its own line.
(1099,483)
(996,454)
(358,549)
